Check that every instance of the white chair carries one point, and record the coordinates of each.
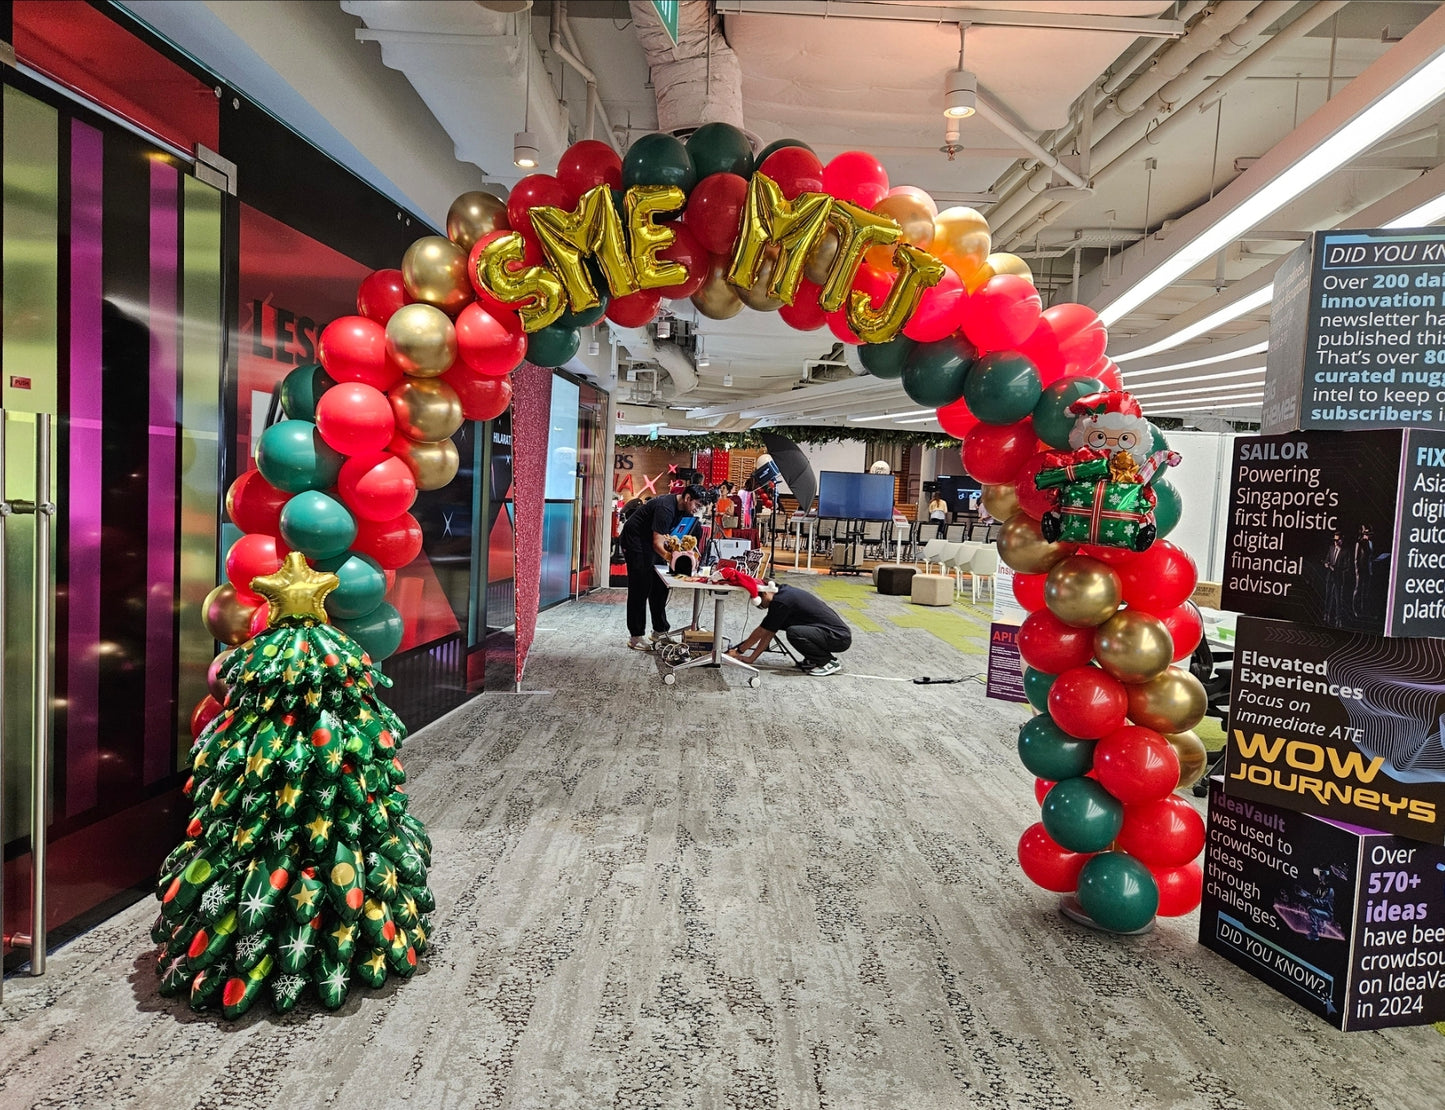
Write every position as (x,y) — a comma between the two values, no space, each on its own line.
(984,567)
(932,553)
(960,561)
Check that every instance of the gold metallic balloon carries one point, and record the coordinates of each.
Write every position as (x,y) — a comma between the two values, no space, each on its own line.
(960,240)
(717,300)
(918,271)
(475,215)
(858,231)
(1022,546)
(214,682)
(1132,646)
(592,230)
(1082,592)
(910,212)
(820,259)
(421,340)
(647,238)
(1193,757)
(432,464)
(1001,501)
(434,270)
(426,409)
(1171,702)
(756,296)
(535,292)
(227,617)
(787,229)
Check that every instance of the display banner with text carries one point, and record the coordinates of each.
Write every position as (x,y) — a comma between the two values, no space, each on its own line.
(1357,333)
(1348,922)
(1339,529)
(1342,725)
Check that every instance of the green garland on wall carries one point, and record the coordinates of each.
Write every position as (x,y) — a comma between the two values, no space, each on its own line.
(750,440)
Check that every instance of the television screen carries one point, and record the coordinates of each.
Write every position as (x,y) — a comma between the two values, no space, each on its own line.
(855,496)
(961,492)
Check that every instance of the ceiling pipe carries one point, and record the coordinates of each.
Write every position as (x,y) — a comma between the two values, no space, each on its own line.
(572,55)
(990,111)
(1113,155)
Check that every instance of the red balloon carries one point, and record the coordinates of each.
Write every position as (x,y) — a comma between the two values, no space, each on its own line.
(636,309)
(939,311)
(587,164)
(1046,863)
(1042,788)
(1029,591)
(995,453)
(1080,334)
(714,211)
(1110,375)
(1136,764)
(1048,644)
(691,255)
(1087,703)
(1186,628)
(795,169)
(1180,889)
(856,176)
(251,556)
(353,349)
(1168,832)
(381,293)
(392,543)
(957,418)
(1001,313)
(260,618)
(492,345)
(355,419)
(376,486)
(254,504)
(206,711)
(1032,500)
(534,191)
(1159,579)
(805,313)
(482,398)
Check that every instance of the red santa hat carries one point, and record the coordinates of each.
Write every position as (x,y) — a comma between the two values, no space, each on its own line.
(1109,401)
(734,577)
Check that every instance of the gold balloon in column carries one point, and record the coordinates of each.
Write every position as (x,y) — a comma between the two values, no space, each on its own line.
(214,682)
(960,240)
(1001,501)
(432,464)
(474,216)
(1000,263)
(1171,702)
(717,300)
(822,256)
(421,340)
(1132,646)
(227,617)
(756,295)
(434,270)
(913,212)
(1193,756)
(1082,592)
(1022,546)
(427,410)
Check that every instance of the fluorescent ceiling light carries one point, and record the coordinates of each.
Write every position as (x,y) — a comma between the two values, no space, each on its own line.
(1231,311)
(919,420)
(1432,211)
(1421,89)
(1144,390)
(1198,393)
(891,415)
(1253,349)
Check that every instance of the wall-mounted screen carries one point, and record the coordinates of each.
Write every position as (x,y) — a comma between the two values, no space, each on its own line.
(855,496)
(961,492)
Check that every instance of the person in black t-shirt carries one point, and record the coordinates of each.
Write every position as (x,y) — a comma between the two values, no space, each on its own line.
(642,547)
(813,629)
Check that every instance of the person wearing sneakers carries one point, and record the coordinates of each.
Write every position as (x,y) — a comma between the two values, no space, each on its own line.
(642,546)
(813,629)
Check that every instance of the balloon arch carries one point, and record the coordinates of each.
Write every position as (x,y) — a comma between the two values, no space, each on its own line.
(825,245)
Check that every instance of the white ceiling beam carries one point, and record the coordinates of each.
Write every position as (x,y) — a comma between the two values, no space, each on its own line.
(1148,27)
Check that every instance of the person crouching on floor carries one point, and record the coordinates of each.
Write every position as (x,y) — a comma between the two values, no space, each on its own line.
(814,629)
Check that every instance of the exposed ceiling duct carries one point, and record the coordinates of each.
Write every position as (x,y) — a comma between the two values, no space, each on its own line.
(641,345)
(697,81)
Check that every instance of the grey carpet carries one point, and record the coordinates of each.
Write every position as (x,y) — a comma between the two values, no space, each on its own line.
(711,896)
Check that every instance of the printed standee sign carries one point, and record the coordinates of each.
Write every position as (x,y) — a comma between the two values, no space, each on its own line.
(1348,922)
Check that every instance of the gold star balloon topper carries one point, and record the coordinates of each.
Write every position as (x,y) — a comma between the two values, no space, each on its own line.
(295,590)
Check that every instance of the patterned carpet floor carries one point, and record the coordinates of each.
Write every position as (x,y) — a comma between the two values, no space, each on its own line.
(705,895)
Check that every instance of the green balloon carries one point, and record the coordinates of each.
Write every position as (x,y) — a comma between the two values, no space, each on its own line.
(301,389)
(316,525)
(935,372)
(658,159)
(887,360)
(363,585)
(1052,422)
(1157,442)
(720,148)
(1036,688)
(1002,388)
(378,633)
(1051,753)
(778,144)
(1169,508)
(553,345)
(293,457)
(588,316)
(1118,892)
(1081,815)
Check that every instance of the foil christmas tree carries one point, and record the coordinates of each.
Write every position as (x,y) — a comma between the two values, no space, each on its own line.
(301,867)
